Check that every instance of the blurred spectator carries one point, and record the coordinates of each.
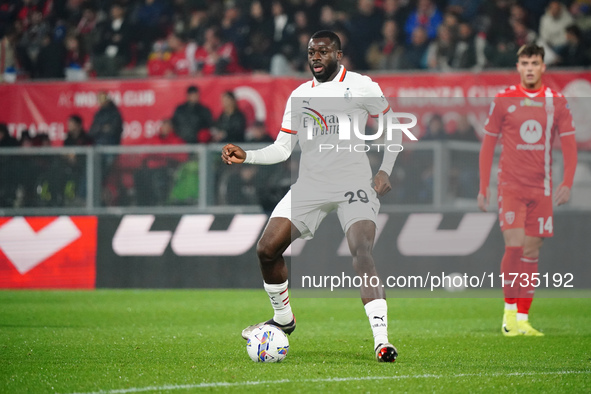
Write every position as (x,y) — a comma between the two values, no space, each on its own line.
(496,16)
(350,57)
(159,60)
(435,129)
(215,56)
(6,140)
(153,181)
(553,25)
(258,133)
(86,29)
(239,186)
(283,28)
(464,131)
(8,56)
(328,18)
(581,12)
(427,16)
(51,59)
(9,169)
(113,49)
(259,20)
(299,61)
(182,57)
(467,9)
(192,120)
(77,136)
(523,35)
(196,26)
(365,26)
(451,20)
(74,164)
(440,52)
(78,64)
(234,26)
(398,11)
(32,40)
(574,53)
(469,49)
(258,53)
(502,55)
(231,124)
(415,53)
(107,125)
(388,54)
(152,18)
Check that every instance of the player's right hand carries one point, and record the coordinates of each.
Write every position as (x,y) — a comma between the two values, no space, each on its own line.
(483,200)
(233,154)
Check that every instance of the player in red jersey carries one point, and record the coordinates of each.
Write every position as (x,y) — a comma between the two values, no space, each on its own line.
(527,117)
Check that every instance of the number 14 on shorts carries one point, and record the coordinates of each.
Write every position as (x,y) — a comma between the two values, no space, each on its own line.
(545,224)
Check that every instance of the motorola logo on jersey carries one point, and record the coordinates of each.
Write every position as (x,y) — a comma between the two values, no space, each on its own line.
(531,131)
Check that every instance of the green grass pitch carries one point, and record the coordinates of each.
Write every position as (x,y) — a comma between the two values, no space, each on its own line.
(189,341)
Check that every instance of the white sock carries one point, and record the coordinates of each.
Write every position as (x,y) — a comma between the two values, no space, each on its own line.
(522,317)
(279,297)
(377,313)
(510,307)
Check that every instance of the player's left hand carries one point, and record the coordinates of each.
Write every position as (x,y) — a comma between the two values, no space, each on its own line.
(562,195)
(381,183)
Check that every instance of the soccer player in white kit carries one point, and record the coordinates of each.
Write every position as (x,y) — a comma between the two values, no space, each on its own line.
(332,176)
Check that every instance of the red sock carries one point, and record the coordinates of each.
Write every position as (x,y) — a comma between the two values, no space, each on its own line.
(511,265)
(526,293)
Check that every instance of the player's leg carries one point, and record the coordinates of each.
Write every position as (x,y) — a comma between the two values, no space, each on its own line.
(529,266)
(360,237)
(511,269)
(276,238)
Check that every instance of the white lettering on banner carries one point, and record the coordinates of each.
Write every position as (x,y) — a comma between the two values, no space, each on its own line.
(193,236)
(134,238)
(55,130)
(26,248)
(420,236)
(129,98)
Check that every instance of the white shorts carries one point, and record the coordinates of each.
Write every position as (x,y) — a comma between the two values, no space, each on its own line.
(308,210)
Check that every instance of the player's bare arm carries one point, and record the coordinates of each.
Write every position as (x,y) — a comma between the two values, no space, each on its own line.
(381,183)
(233,154)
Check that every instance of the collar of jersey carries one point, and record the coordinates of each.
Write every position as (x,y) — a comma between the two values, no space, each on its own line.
(340,77)
(531,93)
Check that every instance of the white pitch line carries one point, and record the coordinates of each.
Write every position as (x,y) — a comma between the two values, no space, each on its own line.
(171,387)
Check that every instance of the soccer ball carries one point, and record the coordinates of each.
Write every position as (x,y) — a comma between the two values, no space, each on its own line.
(267,344)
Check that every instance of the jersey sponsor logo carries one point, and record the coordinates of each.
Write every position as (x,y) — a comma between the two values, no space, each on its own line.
(511,109)
(527,102)
(531,131)
(510,217)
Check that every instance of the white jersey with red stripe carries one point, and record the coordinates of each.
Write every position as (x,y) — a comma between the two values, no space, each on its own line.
(311,118)
(527,122)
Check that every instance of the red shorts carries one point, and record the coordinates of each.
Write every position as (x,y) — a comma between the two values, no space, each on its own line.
(526,208)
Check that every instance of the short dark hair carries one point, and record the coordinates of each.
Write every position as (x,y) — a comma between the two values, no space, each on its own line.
(192,89)
(334,38)
(77,119)
(529,50)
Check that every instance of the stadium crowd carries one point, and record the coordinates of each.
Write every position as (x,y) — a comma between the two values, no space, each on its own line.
(78,39)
